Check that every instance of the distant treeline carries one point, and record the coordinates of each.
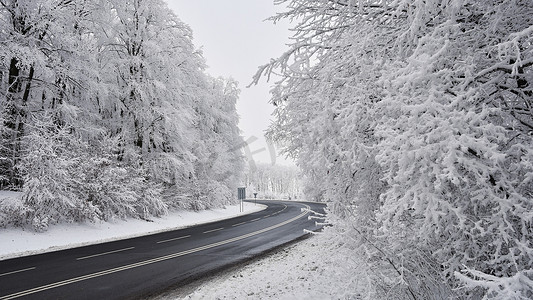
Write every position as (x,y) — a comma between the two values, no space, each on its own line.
(273,181)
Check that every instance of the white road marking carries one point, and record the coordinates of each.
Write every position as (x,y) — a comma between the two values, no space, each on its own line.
(178,238)
(282,210)
(100,254)
(18,271)
(147,262)
(212,230)
(255,220)
(238,224)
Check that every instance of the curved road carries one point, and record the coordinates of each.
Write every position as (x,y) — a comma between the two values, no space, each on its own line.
(142,266)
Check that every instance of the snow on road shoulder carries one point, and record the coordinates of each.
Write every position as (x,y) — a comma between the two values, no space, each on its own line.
(309,269)
(15,242)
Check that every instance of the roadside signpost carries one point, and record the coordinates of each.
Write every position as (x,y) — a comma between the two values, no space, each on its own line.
(241,194)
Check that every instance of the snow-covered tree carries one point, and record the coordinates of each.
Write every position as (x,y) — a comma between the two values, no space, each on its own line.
(34,66)
(101,102)
(216,146)
(154,74)
(413,118)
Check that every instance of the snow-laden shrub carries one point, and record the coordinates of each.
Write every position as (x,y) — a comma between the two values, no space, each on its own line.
(516,287)
(11,209)
(52,156)
(65,180)
(119,187)
(120,191)
(201,195)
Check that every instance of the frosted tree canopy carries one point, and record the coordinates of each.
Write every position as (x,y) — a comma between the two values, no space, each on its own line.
(414,120)
(107,111)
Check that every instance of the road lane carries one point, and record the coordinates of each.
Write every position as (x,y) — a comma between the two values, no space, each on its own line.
(145,265)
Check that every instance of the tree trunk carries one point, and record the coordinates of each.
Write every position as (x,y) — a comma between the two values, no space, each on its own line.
(14,117)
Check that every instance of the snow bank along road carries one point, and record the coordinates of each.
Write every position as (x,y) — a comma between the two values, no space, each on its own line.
(143,266)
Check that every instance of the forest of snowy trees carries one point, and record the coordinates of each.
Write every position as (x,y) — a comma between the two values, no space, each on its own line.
(273,181)
(414,120)
(107,111)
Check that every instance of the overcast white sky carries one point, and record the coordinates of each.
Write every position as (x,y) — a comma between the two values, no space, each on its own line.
(236,40)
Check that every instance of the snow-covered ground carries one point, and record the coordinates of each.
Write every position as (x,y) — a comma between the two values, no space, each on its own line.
(303,270)
(15,242)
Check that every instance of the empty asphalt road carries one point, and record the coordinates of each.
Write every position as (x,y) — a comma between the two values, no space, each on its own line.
(142,266)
